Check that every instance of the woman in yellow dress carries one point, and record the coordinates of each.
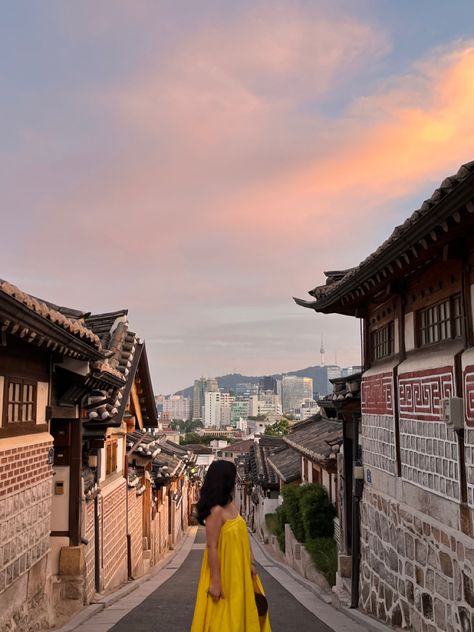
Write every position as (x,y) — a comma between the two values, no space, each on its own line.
(226,599)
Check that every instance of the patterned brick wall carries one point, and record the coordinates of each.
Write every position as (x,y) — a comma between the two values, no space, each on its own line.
(25,509)
(469,440)
(378,442)
(378,431)
(420,580)
(420,393)
(135,527)
(377,394)
(114,536)
(90,551)
(429,454)
(429,451)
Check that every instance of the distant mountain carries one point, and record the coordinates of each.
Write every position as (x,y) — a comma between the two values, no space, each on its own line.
(231,380)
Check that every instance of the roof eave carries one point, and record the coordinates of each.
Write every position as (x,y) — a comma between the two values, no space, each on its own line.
(440,211)
(15,312)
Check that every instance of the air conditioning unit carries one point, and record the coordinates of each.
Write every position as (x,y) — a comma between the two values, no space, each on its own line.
(452,409)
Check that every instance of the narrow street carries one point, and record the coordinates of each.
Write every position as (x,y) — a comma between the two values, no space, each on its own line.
(161,604)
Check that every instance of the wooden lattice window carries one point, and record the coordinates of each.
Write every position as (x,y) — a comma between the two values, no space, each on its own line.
(20,401)
(111,456)
(382,341)
(442,321)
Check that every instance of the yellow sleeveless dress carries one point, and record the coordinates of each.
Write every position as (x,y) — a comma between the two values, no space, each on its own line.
(236,611)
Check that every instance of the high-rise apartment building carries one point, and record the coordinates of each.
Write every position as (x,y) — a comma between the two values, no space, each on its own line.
(201,386)
(294,390)
(217,409)
(239,410)
(177,406)
(268,383)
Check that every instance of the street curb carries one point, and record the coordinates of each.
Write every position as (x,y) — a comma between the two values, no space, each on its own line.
(108,600)
(301,580)
(363,619)
(357,616)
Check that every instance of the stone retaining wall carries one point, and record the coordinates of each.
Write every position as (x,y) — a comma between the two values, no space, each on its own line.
(415,572)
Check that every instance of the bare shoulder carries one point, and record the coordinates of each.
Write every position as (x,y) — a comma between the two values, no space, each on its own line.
(217,513)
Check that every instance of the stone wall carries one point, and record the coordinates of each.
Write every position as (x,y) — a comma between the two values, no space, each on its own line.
(114,534)
(416,573)
(25,518)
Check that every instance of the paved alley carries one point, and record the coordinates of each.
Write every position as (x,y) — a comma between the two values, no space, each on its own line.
(166,601)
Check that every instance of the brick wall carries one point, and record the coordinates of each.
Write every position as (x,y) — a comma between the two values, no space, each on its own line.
(469,447)
(378,442)
(90,551)
(135,529)
(25,509)
(429,454)
(25,523)
(114,534)
(423,580)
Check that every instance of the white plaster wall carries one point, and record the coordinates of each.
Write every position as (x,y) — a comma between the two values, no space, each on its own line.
(409,331)
(60,504)
(396,337)
(326,481)
(120,454)
(42,400)
(431,357)
(2,381)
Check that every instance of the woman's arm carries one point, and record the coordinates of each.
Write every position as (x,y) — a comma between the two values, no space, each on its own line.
(213,529)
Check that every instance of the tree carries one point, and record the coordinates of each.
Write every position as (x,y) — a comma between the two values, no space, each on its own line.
(278,429)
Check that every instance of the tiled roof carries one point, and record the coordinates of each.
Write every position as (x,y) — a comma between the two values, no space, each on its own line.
(260,471)
(286,462)
(401,238)
(241,446)
(148,446)
(318,440)
(75,326)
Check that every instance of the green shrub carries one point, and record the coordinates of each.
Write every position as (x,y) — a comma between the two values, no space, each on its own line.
(272,522)
(317,512)
(291,501)
(323,552)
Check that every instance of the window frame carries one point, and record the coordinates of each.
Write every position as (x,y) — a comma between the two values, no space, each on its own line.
(389,327)
(442,315)
(7,402)
(111,450)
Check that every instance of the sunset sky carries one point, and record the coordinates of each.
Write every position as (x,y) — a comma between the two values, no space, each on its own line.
(200,162)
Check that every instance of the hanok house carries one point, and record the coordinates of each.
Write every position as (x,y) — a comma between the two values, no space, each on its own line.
(286,463)
(261,486)
(414,295)
(120,399)
(343,404)
(36,340)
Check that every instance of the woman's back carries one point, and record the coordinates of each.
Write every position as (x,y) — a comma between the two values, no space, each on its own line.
(236,610)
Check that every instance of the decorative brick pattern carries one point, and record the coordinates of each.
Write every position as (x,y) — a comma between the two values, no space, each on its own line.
(90,551)
(135,527)
(25,510)
(429,454)
(421,393)
(114,538)
(469,394)
(415,573)
(378,442)
(377,394)
(469,449)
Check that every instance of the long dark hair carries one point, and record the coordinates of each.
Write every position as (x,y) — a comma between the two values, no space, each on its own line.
(217,489)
